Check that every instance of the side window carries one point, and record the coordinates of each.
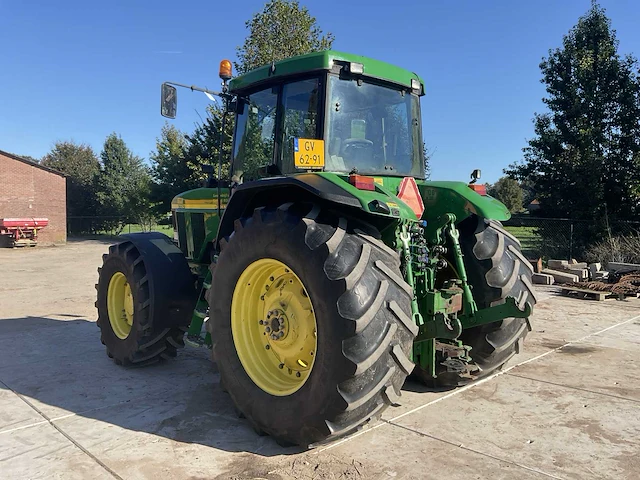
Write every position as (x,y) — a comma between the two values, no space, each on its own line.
(255,134)
(300,119)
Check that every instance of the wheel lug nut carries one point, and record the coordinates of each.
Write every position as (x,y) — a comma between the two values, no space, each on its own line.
(261,322)
(281,334)
(281,366)
(267,347)
(298,374)
(268,329)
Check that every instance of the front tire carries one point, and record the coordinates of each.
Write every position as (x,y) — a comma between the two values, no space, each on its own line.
(361,316)
(124,300)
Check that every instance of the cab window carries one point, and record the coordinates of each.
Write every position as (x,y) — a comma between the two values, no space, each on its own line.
(255,134)
(300,117)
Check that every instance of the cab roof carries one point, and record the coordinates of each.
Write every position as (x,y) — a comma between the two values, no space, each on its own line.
(324,60)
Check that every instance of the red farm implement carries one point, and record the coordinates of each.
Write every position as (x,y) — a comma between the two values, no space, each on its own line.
(18,232)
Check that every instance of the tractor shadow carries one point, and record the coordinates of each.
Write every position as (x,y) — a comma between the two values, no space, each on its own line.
(60,368)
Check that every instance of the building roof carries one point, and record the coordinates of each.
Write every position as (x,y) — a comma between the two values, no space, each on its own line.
(29,162)
(323,60)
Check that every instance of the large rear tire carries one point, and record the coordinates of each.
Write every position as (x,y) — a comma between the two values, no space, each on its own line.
(496,269)
(352,296)
(124,301)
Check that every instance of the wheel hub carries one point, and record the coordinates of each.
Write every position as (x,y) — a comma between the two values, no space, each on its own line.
(276,325)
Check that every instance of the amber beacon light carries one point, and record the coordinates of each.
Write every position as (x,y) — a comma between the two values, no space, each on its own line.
(225,70)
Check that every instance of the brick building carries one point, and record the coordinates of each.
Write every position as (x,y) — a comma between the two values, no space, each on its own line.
(31,190)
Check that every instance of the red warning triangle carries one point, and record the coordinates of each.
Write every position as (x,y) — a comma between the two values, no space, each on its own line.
(409,194)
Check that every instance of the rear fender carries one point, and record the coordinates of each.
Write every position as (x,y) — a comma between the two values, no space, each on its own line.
(457,198)
(172,285)
(326,190)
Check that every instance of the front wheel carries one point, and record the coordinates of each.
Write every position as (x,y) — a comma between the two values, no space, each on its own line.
(125,303)
(311,324)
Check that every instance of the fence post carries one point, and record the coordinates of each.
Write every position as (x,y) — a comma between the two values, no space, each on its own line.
(571,242)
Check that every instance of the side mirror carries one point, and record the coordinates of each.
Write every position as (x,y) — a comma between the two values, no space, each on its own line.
(475,175)
(168,101)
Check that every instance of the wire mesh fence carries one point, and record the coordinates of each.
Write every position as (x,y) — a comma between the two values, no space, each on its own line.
(111,226)
(563,238)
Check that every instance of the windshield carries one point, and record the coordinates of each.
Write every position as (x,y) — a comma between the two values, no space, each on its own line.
(372,129)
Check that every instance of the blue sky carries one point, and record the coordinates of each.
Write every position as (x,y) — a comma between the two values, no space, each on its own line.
(80,70)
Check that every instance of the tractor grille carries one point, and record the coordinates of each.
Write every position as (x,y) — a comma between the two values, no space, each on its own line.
(182,232)
(199,233)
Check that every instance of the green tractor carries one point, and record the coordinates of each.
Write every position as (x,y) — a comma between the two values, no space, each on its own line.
(319,265)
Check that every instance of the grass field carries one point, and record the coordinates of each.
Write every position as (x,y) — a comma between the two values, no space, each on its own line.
(529,238)
(134,227)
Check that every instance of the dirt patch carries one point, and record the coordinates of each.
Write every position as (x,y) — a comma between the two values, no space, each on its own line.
(577,349)
(595,431)
(304,467)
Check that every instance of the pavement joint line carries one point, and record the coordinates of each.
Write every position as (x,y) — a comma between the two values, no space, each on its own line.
(64,434)
(469,449)
(471,385)
(575,388)
(15,429)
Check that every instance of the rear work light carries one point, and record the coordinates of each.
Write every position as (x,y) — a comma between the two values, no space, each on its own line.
(479,189)
(356,68)
(361,182)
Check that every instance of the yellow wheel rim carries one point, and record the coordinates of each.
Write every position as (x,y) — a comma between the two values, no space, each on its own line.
(120,305)
(274,327)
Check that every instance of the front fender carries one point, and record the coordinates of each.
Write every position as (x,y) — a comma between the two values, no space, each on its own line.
(172,286)
(457,198)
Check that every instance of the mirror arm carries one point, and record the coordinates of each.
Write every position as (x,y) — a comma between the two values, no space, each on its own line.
(193,88)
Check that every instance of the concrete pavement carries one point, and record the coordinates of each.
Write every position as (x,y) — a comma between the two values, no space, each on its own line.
(567,407)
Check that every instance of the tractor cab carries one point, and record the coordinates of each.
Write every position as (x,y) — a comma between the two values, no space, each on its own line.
(325,111)
(335,114)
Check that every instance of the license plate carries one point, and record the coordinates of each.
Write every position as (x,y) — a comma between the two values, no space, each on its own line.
(308,153)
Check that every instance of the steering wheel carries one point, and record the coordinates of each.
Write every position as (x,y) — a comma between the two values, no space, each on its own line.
(361,142)
(356,144)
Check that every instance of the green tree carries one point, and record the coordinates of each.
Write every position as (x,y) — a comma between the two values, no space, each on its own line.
(170,170)
(80,164)
(30,158)
(584,160)
(281,30)
(124,185)
(203,145)
(428,155)
(509,192)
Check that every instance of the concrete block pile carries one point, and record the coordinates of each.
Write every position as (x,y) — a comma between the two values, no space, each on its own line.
(564,271)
